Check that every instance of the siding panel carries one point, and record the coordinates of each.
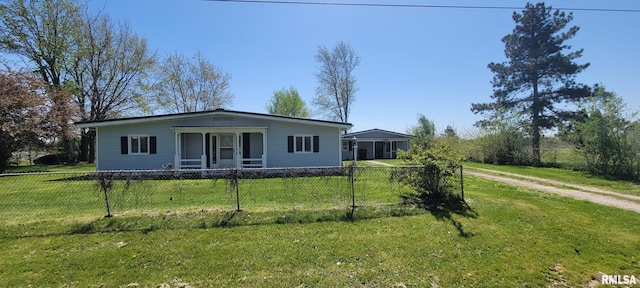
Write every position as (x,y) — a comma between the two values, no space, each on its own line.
(109,157)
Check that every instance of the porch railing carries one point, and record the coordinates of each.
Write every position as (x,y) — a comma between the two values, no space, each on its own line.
(190,163)
(252,162)
(200,164)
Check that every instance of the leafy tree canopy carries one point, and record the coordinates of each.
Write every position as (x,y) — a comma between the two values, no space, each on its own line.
(287,102)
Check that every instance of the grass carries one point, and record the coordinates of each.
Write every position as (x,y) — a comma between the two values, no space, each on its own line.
(60,196)
(566,158)
(511,237)
(25,168)
(565,175)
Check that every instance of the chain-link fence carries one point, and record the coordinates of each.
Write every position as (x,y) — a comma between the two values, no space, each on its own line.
(33,197)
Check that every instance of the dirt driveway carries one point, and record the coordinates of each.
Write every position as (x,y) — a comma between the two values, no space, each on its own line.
(581,192)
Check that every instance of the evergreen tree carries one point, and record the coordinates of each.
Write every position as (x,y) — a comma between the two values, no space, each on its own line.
(539,75)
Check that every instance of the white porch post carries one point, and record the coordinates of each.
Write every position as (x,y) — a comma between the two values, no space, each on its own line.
(203,157)
(264,149)
(176,160)
(238,151)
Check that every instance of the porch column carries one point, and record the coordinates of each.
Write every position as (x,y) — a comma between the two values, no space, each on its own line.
(176,159)
(264,149)
(238,151)
(203,157)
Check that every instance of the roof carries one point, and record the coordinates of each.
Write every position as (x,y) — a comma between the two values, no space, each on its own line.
(364,133)
(217,112)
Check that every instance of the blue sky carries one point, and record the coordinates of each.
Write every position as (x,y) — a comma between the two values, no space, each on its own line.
(431,61)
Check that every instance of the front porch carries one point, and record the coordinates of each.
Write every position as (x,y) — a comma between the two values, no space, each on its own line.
(220,147)
(377,149)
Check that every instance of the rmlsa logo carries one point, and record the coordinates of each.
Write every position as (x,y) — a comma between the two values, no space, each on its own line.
(619,279)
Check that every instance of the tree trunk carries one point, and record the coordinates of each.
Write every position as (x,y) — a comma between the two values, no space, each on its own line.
(84,145)
(68,151)
(92,146)
(535,125)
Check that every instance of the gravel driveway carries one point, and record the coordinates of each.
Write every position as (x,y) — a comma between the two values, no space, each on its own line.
(581,192)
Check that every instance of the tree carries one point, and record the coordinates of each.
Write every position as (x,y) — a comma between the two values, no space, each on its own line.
(287,102)
(424,128)
(337,83)
(450,132)
(538,75)
(42,31)
(22,110)
(109,60)
(605,136)
(189,85)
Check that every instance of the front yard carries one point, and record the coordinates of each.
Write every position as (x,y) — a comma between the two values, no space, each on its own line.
(512,237)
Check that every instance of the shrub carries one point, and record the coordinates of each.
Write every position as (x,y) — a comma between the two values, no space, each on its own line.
(432,173)
(50,159)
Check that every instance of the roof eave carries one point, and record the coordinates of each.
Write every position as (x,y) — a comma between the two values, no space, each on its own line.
(137,120)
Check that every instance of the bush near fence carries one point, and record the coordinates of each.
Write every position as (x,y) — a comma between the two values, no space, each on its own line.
(32,197)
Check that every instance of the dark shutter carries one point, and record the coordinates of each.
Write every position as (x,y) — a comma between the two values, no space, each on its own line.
(124,145)
(316,144)
(152,145)
(207,150)
(246,148)
(290,143)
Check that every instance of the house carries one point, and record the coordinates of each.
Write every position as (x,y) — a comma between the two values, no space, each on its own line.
(215,139)
(374,144)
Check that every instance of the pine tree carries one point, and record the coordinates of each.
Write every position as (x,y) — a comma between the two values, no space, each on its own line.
(539,75)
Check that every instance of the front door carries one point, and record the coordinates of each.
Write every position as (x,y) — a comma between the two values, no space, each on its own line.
(379,150)
(213,151)
(226,150)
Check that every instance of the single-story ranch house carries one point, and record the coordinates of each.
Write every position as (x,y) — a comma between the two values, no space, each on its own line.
(375,144)
(216,139)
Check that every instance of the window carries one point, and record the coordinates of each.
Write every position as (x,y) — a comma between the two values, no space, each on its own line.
(303,143)
(138,144)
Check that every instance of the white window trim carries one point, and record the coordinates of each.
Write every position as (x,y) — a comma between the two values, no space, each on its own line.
(295,144)
(139,136)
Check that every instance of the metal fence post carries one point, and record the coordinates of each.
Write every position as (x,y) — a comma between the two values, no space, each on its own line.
(106,185)
(353,190)
(237,184)
(461,182)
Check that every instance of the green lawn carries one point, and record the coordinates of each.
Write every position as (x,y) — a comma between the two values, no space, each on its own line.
(60,195)
(512,237)
(52,168)
(568,176)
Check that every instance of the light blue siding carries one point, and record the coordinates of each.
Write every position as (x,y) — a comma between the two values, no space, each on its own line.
(109,156)
(277,146)
(108,147)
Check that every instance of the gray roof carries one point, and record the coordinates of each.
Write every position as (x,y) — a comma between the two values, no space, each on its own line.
(376,134)
(142,119)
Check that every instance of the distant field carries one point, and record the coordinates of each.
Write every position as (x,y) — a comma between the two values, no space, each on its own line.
(562,157)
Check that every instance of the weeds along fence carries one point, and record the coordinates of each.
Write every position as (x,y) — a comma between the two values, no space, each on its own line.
(28,197)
